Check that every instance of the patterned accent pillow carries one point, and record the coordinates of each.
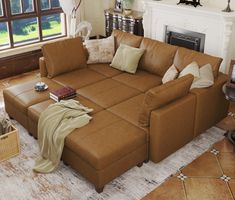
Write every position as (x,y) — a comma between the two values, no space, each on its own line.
(100,50)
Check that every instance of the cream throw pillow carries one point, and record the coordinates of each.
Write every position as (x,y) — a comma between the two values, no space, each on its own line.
(206,77)
(127,58)
(191,68)
(100,50)
(170,74)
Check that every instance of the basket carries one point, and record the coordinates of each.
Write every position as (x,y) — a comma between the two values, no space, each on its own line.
(9,144)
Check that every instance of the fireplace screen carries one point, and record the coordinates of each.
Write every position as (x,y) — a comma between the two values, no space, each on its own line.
(185,38)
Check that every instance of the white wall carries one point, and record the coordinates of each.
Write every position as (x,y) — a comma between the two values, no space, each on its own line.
(94,13)
(217,3)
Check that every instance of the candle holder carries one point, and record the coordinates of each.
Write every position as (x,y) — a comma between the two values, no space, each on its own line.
(228,9)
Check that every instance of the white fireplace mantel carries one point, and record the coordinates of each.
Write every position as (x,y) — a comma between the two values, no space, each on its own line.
(218,26)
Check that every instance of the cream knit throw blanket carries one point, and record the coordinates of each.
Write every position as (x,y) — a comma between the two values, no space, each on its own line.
(55,123)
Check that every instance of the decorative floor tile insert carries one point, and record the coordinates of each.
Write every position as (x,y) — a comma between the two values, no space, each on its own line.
(215,152)
(225,178)
(182,177)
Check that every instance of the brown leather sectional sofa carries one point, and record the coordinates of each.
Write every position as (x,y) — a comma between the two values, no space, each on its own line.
(116,140)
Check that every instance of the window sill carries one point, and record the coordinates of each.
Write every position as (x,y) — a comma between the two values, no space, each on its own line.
(27,48)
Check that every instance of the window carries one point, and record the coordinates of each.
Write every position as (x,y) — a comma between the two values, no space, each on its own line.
(25,22)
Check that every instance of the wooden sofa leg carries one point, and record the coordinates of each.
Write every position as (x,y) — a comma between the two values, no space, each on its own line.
(146,161)
(140,164)
(65,163)
(99,190)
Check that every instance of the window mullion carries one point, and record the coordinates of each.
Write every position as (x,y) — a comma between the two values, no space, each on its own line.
(22,6)
(8,15)
(38,11)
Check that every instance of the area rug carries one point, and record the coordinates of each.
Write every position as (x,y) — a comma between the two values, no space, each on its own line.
(18,181)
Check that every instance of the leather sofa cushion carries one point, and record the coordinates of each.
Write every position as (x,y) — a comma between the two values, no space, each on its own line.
(105,140)
(130,109)
(79,78)
(184,56)
(158,56)
(126,38)
(24,95)
(163,95)
(35,110)
(64,56)
(104,69)
(141,80)
(108,92)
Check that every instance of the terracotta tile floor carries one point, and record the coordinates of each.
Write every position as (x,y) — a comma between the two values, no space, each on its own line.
(209,177)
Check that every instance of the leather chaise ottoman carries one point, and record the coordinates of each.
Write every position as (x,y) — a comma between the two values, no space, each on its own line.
(105,148)
(18,98)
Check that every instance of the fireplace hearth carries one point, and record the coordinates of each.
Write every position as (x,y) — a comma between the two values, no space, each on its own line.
(185,38)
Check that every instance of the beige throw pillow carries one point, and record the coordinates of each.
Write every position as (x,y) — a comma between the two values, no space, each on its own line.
(127,58)
(191,68)
(206,77)
(100,50)
(170,74)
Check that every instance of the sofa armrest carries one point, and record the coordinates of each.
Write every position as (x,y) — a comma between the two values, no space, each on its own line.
(171,127)
(162,95)
(211,105)
(42,67)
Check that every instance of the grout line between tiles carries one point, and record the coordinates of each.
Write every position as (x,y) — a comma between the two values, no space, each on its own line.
(184,187)
(219,163)
(229,188)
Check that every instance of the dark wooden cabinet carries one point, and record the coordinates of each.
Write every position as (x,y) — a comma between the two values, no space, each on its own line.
(17,64)
(132,23)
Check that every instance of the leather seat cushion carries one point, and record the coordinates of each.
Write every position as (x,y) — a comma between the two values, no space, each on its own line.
(158,56)
(108,92)
(23,95)
(130,109)
(105,140)
(79,78)
(184,56)
(104,69)
(126,38)
(34,111)
(141,80)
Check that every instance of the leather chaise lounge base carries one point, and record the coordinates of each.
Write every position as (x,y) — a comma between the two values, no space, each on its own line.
(114,141)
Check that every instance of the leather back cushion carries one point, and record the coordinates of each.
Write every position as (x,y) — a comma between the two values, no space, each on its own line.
(126,38)
(64,56)
(184,56)
(158,56)
(162,95)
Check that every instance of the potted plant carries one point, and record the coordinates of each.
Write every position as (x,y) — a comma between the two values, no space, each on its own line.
(127,6)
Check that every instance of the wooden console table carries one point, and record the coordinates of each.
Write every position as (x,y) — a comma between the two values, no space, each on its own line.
(131,23)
